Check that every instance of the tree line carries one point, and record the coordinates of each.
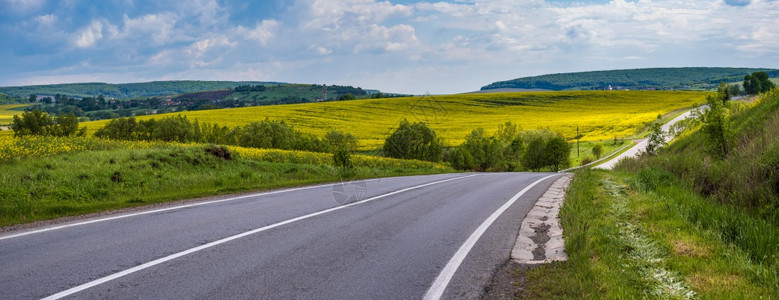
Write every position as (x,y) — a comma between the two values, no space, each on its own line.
(509,149)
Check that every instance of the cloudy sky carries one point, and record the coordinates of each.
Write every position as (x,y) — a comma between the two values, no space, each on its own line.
(406,46)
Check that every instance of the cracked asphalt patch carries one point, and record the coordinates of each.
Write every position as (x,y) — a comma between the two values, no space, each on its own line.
(540,238)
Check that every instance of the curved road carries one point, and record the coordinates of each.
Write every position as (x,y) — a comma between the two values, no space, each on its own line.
(640,147)
(398,238)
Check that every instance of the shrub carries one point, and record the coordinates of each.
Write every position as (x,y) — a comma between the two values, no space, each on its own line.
(656,139)
(533,158)
(557,152)
(587,160)
(220,152)
(342,158)
(716,124)
(461,159)
(413,141)
(38,123)
(597,150)
(342,145)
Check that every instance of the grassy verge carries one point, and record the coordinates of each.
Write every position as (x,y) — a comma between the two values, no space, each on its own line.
(585,150)
(628,237)
(87,181)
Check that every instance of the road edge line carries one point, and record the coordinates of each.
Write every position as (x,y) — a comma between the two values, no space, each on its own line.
(442,281)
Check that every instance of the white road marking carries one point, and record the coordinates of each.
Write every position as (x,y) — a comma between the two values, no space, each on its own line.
(439,285)
(166,209)
(150,264)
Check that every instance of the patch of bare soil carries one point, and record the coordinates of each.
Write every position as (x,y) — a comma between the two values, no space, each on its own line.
(509,282)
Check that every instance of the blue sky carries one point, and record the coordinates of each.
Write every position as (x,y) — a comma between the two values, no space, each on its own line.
(406,46)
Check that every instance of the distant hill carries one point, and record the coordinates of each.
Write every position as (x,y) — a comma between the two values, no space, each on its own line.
(637,79)
(126,90)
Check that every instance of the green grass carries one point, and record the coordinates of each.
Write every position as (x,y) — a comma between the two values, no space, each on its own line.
(625,242)
(586,150)
(698,221)
(92,181)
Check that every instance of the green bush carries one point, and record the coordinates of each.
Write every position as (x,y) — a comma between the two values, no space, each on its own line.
(267,134)
(38,123)
(461,159)
(413,141)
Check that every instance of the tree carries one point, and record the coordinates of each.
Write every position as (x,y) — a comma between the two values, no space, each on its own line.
(67,125)
(657,137)
(507,132)
(342,145)
(347,96)
(39,123)
(716,125)
(724,92)
(487,152)
(735,90)
(119,129)
(757,82)
(173,129)
(340,139)
(557,153)
(461,159)
(32,98)
(413,141)
(513,153)
(32,122)
(597,150)
(533,158)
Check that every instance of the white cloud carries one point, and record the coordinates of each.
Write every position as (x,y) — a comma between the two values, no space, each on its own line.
(160,28)
(208,12)
(87,37)
(46,20)
(262,33)
(449,46)
(334,15)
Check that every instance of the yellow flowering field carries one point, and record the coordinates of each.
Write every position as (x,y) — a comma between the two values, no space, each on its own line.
(600,115)
(30,147)
(7,115)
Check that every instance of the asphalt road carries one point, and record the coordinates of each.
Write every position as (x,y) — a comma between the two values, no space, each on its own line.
(395,238)
(640,147)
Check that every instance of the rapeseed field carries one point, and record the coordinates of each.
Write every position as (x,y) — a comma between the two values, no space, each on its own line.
(7,114)
(600,115)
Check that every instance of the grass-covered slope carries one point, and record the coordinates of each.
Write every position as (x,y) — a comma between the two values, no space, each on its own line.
(654,78)
(44,178)
(125,90)
(685,223)
(747,177)
(599,115)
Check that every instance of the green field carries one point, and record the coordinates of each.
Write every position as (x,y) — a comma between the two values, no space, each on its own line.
(598,115)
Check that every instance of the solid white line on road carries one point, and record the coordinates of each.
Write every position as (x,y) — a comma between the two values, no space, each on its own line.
(150,264)
(439,285)
(166,209)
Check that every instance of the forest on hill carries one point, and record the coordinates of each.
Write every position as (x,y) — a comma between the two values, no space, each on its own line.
(634,79)
(126,90)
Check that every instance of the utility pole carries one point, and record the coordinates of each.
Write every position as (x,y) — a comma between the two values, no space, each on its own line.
(578,136)
(577,140)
